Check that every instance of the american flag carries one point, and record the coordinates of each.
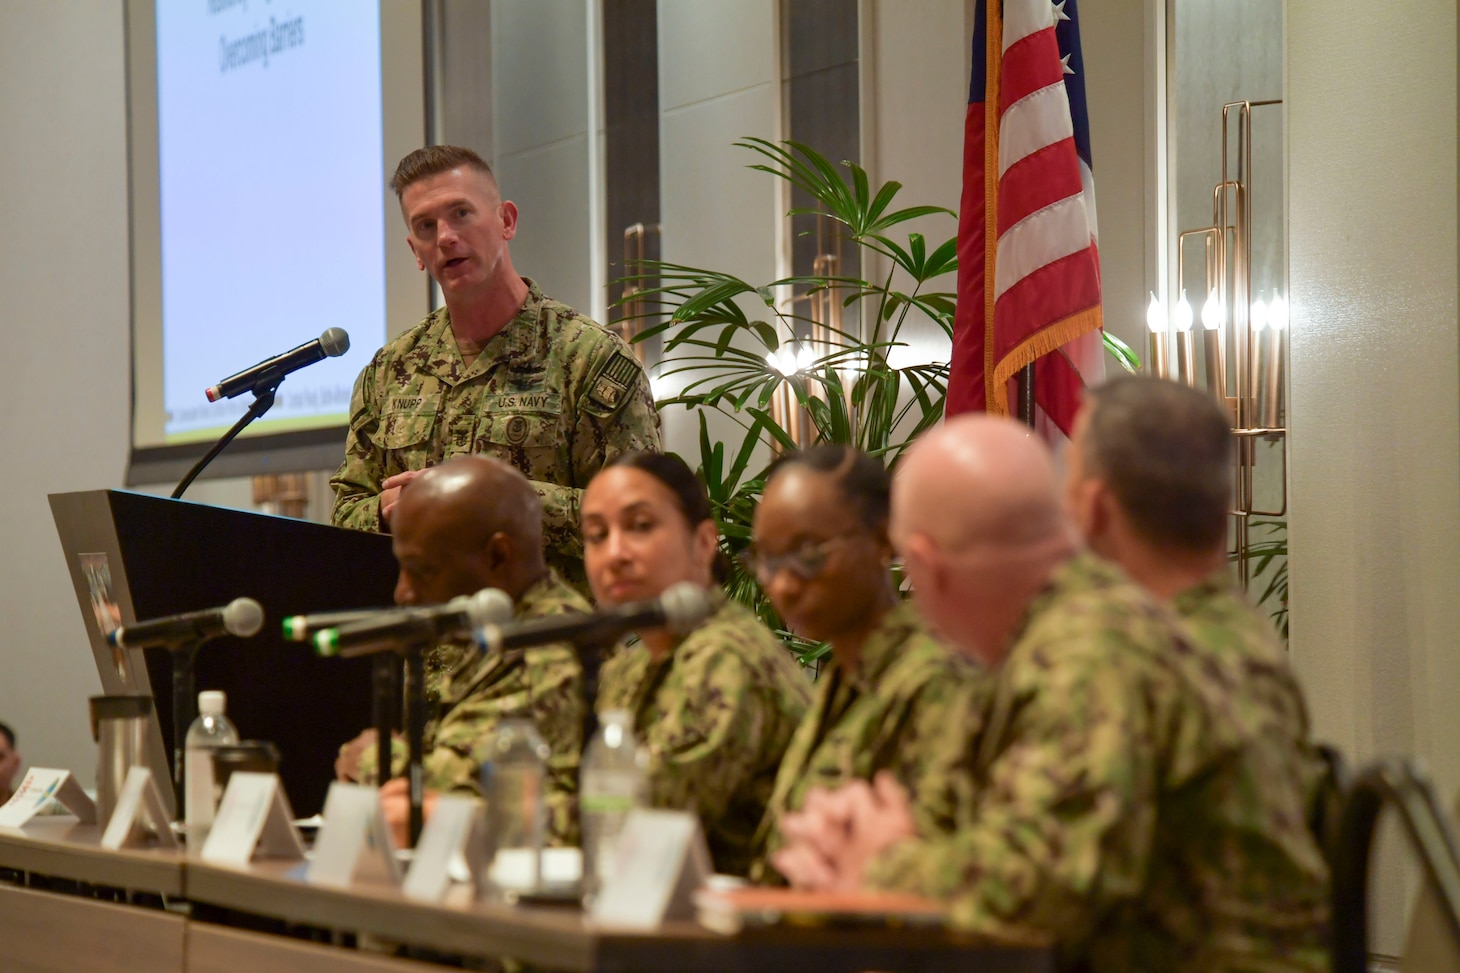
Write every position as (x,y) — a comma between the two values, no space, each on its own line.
(1028,266)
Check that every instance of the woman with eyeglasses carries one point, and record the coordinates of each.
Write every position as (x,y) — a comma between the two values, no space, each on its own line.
(714,709)
(891,698)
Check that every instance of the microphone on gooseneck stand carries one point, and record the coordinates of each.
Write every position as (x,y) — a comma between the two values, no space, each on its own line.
(302,628)
(406,627)
(263,381)
(680,609)
(271,371)
(181,635)
(241,616)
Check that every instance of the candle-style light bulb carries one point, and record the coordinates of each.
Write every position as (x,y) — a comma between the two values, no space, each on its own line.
(1212,312)
(1155,315)
(773,360)
(1277,315)
(1258,315)
(805,358)
(1184,316)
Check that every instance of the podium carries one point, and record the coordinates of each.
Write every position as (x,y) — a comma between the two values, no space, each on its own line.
(133,557)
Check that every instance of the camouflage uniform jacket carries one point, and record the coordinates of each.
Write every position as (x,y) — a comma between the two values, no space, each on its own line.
(1124,806)
(554,394)
(543,684)
(911,708)
(1221,621)
(715,715)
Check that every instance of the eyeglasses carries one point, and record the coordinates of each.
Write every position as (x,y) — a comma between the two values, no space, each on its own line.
(805,562)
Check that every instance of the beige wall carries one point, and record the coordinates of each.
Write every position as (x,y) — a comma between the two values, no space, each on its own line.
(64,402)
(1375,477)
(719,80)
(1117,38)
(540,141)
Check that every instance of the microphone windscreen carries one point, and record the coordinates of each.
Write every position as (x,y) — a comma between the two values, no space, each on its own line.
(243,617)
(685,605)
(334,342)
(490,606)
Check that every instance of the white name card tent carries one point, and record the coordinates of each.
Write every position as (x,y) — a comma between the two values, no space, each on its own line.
(354,841)
(452,833)
(254,819)
(139,815)
(39,786)
(661,860)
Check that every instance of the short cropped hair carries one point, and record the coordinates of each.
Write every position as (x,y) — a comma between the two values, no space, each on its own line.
(862,480)
(1165,452)
(9,734)
(434,160)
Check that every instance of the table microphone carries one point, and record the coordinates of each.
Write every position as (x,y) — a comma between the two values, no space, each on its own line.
(391,630)
(241,616)
(302,628)
(680,608)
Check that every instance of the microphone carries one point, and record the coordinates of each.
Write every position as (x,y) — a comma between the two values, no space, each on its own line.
(241,616)
(387,631)
(302,628)
(271,371)
(680,608)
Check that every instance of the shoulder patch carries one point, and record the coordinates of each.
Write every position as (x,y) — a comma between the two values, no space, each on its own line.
(612,386)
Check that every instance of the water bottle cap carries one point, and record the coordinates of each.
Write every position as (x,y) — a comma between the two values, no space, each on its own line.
(211,702)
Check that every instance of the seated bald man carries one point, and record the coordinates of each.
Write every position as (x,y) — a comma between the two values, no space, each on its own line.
(475,523)
(1122,808)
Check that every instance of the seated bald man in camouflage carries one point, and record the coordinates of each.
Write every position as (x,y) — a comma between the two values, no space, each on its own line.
(500,370)
(469,524)
(1125,806)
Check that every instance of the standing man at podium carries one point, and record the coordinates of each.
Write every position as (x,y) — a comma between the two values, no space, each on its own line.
(500,369)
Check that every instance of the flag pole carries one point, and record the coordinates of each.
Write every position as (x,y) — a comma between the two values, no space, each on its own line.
(1024,395)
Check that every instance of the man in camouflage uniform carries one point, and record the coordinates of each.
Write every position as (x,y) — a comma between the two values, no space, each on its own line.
(500,369)
(1149,484)
(469,524)
(715,715)
(1123,807)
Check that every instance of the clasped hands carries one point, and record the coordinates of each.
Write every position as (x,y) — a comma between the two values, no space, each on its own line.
(830,841)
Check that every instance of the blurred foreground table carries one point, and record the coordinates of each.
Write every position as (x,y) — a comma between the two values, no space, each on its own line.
(128,910)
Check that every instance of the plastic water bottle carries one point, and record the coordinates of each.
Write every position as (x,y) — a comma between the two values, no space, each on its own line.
(612,785)
(211,729)
(514,781)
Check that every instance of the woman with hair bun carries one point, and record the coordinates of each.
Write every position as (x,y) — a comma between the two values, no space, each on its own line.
(891,699)
(715,708)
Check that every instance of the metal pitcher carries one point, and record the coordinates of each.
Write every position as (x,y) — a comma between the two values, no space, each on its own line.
(119,727)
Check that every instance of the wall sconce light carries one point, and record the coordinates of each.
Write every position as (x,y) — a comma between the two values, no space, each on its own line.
(1160,362)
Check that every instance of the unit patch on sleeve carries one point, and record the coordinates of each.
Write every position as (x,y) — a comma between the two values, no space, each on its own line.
(614,382)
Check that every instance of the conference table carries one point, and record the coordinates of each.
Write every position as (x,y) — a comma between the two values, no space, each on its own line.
(67,904)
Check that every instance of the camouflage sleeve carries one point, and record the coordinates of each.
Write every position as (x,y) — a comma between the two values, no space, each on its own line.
(708,738)
(1065,817)
(552,683)
(367,770)
(357,482)
(616,415)
(935,762)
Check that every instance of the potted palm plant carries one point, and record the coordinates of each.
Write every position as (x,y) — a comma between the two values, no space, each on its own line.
(738,345)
